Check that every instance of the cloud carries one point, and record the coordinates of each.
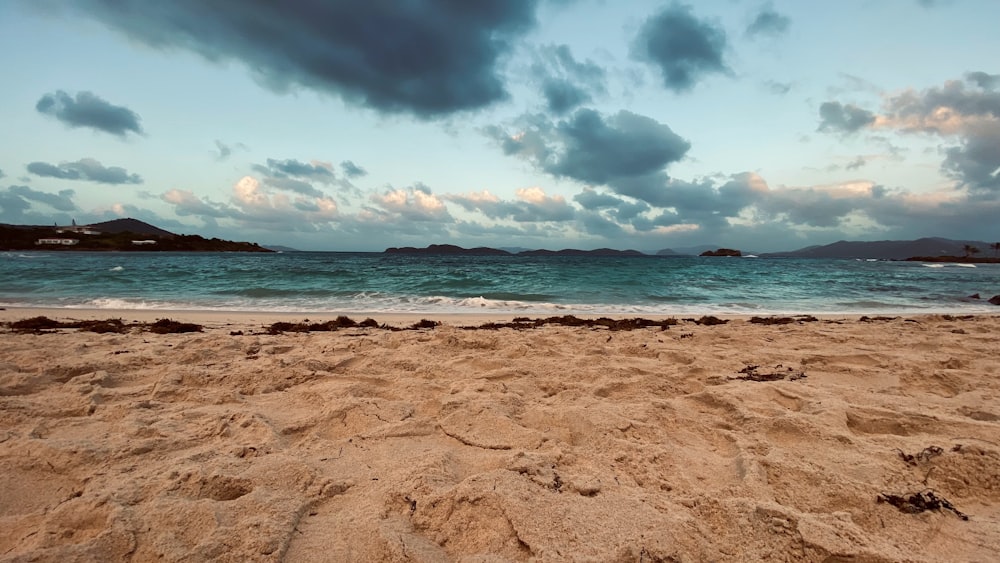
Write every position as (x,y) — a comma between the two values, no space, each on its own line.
(423,57)
(966,111)
(89,110)
(86,169)
(532,205)
(18,203)
(226,150)
(2,174)
(594,148)
(63,201)
(983,80)
(416,203)
(856,163)
(295,176)
(684,48)
(352,170)
(186,203)
(975,163)
(567,83)
(778,88)
(848,118)
(768,22)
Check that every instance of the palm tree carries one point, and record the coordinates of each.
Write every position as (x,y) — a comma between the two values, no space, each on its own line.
(996,249)
(970,250)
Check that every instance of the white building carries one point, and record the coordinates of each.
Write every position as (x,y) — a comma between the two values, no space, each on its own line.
(58,241)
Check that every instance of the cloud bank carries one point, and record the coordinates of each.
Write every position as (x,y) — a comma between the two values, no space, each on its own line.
(86,169)
(427,58)
(86,109)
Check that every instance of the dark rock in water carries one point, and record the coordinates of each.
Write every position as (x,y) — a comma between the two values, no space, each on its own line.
(722,252)
(995,300)
(974,296)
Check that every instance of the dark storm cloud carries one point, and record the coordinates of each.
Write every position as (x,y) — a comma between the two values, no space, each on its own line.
(597,149)
(17,205)
(12,206)
(89,110)
(424,57)
(622,210)
(567,83)
(984,80)
(848,118)
(352,170)
(294,168)
(683,47)
(976,162)
(63,201)
(768,22)
(86,169)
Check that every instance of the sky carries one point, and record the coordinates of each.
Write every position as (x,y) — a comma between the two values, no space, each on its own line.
(629,124)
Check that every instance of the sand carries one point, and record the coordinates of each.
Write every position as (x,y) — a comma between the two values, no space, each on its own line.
(549,444)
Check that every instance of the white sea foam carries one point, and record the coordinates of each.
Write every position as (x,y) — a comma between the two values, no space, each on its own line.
(933,265)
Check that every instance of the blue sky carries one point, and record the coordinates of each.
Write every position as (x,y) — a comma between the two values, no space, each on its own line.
(518,123)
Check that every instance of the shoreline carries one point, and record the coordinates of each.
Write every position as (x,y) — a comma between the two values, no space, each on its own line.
(245,319)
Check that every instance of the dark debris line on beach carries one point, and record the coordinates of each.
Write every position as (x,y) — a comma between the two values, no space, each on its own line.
(40,325)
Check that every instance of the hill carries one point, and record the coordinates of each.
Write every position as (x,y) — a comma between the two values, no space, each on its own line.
(130,225)
(886,249)
(119,235)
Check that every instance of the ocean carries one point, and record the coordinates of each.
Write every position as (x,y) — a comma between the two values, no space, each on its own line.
(358,283)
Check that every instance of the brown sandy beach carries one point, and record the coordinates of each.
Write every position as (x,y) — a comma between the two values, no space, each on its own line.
(551,444)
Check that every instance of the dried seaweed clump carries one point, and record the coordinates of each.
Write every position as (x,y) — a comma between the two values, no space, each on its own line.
(168,326)
(35,324)
(783,320)
(923,455)
(915,503)
(41,324)
(329,326)
(521,323)
(750,373)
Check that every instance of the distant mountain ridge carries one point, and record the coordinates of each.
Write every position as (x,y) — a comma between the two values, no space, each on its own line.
(886,249)
(451,249)
(880,250)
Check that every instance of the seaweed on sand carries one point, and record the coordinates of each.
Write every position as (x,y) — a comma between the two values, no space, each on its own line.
(750,373)
(915,503)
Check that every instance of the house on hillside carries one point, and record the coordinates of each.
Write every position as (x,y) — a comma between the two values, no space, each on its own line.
(78,229)
(58,241)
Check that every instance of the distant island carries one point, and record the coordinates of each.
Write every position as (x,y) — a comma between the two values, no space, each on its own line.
(117,235)
(931,249)
(450,249)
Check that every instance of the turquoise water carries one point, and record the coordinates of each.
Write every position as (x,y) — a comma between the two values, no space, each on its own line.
(374,282)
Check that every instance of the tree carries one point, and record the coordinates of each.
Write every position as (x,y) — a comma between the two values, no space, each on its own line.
(996,249)
(970,250)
